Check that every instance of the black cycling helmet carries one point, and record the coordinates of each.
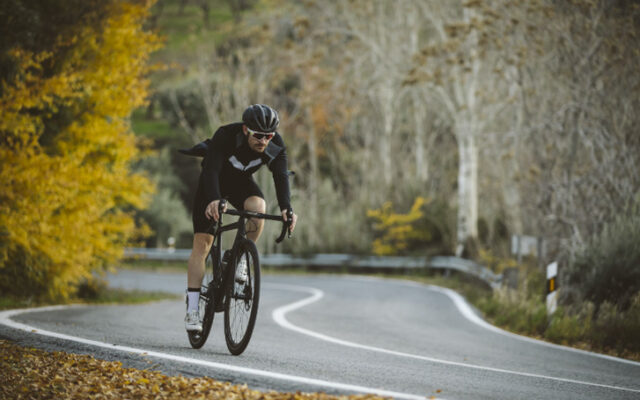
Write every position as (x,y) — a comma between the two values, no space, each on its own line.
(261,118)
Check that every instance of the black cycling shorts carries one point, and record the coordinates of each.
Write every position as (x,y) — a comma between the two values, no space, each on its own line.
(234,187)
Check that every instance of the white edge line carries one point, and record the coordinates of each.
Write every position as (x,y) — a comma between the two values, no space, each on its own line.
(279,316)
(5,319)
(466,310)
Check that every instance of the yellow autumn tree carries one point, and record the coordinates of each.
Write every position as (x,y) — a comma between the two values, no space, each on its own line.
(66,145)
(399,233)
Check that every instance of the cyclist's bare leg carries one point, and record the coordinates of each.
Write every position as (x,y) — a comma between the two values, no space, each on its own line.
(201,244)
(255,226)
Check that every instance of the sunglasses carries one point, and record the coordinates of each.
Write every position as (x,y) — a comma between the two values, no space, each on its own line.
(260,135)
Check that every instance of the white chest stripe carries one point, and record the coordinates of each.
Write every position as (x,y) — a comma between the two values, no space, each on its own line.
(238,165)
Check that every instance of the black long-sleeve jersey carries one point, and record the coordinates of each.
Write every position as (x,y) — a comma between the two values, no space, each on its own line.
(229,153)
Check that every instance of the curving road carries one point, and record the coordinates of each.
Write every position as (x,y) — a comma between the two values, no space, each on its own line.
(337,334)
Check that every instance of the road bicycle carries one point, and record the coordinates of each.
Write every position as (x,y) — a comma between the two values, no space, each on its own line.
(221,291)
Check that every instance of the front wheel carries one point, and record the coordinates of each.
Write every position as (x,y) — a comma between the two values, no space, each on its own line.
(242,297)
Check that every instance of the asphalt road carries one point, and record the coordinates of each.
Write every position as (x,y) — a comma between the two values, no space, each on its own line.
(337,334)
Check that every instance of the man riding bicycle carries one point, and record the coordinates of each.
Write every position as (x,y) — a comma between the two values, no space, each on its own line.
(231,157)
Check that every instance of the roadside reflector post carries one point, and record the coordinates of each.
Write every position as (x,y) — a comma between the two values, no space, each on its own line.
(552,287)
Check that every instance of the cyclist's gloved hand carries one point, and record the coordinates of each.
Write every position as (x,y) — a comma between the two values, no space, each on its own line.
(214,208)
(289,215)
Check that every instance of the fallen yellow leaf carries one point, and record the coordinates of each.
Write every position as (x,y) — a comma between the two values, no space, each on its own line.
(67,376)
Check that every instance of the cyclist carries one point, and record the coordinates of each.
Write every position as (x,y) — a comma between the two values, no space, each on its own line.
(231,157)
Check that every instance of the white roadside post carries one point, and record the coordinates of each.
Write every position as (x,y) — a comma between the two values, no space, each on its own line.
(552,287)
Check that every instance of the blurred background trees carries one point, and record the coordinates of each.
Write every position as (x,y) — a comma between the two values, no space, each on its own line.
(509,116)
(472,103)
(512,117)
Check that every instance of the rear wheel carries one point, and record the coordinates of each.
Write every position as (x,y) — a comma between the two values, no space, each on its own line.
(206,305)
(242,298)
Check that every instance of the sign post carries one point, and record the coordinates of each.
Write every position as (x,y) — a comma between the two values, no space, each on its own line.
(552,287)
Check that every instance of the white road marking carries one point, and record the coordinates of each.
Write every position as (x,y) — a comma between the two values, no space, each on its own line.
(466,311)
(279,316)
(5,319)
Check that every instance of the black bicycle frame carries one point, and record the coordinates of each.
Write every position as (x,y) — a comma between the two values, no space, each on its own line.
(241,233)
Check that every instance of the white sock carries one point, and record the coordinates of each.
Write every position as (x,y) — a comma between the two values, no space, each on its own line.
(192,301)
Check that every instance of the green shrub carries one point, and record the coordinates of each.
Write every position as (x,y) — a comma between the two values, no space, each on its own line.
(91,289)
(566,328)
(615,329)
(26,275)
(538,318)
(608,270)
(516,311)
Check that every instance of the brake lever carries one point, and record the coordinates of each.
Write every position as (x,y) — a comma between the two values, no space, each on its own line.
(280,238)
(286,227)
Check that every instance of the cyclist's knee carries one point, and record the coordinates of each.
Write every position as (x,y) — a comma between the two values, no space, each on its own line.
(202,243)
(255,204)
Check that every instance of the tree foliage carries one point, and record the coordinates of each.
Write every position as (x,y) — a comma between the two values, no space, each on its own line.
(401,233)
(66,147)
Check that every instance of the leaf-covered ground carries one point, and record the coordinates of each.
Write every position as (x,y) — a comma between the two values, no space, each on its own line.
(28,373)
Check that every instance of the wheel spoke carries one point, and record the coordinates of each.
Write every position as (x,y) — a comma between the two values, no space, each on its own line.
(205,305)
(242,303)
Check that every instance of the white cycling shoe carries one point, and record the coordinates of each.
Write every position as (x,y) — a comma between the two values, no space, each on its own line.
(192,321)
(241,271)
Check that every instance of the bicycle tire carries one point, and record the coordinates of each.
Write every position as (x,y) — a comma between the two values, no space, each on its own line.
(242,299)
(206,305)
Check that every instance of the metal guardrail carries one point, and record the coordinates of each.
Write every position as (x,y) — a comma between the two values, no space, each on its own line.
(157,254)
(347,261)
(467,266)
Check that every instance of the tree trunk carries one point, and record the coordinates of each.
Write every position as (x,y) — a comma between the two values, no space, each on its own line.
(422,172)
(386,100)
(312,208)
(467,187)
(204,6)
